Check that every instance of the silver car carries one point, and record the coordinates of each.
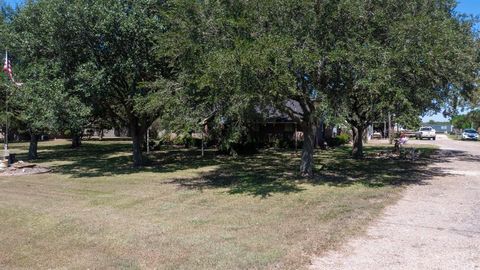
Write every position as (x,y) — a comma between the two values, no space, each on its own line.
(469,134)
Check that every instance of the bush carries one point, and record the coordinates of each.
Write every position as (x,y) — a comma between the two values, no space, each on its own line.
(241,147)
(155,145)
(246,148)
(183,139)
(280,143)
(188,141)
(341,139)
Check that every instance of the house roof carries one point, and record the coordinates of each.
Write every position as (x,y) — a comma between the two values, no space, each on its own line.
(278,115)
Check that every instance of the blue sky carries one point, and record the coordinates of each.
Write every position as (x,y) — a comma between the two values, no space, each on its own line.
(464,6)
(469,6)
(13,3)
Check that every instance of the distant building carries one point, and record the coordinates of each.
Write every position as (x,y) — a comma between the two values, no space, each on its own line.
(440,127)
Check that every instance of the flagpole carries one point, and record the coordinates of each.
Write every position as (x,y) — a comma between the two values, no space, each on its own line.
(6,121)
(7,68)
(5,147)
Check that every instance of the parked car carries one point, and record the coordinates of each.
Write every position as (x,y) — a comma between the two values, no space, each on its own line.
(426,132)
(409,133)
(469,134)
(377,135)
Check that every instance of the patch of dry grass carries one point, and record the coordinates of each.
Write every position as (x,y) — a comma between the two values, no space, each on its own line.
(183,212)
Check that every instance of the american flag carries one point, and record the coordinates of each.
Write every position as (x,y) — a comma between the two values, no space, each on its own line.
(7,68)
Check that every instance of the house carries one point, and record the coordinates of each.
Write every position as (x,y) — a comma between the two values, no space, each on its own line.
(440,127)
(278,128)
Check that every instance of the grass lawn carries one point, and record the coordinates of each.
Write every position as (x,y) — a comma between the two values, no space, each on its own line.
(453,137)
(458,138)
(185,212)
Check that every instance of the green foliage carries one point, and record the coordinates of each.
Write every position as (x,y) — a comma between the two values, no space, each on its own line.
(281,143)
(43,36)
(231,76)
(339,140)
(38,103)
(461,122)
(183,139)
(409,120)
(392,61)
(228,64)
(102,53)
(469,120)
(364,58)
(474,117)
(343,139)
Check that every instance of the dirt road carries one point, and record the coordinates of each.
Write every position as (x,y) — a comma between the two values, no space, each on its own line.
(436,225)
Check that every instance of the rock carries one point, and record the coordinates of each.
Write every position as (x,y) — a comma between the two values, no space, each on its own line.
(21,165)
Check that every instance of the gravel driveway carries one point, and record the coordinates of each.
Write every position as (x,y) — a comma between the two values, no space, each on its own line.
(436,225)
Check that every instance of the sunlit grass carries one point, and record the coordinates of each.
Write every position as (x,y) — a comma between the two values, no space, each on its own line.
(182,211)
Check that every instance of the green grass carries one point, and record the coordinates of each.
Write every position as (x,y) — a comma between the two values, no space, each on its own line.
(458,138)
(453,137)
(186,212)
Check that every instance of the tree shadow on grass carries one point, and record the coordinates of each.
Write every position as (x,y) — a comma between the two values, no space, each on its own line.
(275,172)
(110,159)
(262,175)
(376,170)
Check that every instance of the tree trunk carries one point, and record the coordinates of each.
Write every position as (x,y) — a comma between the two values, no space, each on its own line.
(320,136)
(32,149)
(307,164)
(138,136)
(76,141)
(357,150)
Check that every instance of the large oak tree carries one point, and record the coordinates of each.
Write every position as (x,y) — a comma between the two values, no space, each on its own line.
(364,57)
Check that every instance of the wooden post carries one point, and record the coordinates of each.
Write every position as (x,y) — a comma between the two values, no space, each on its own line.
(203,150)
(296,138)
(384,129)
(148,140)
(390,135)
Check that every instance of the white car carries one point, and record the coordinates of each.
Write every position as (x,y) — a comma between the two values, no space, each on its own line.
(469,134)
(426,132)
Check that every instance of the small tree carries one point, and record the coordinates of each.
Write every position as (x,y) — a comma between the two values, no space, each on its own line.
(45,34)
(461,122)
(474,118)
(120,38)
(73,116)
(37,104)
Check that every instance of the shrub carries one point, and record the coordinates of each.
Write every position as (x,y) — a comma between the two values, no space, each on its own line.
(280,143)
(183,139)
(341,139)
